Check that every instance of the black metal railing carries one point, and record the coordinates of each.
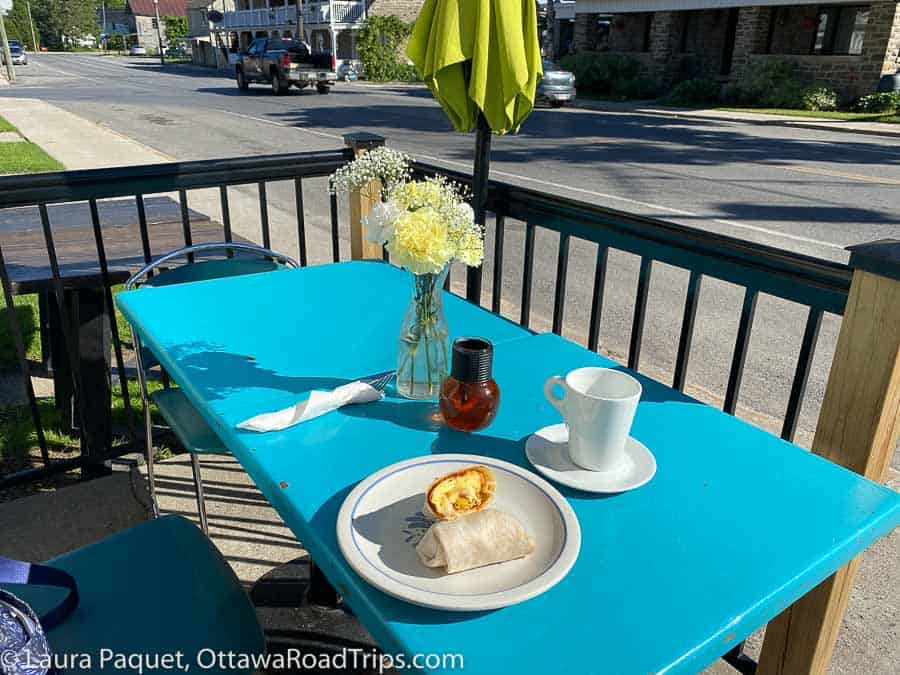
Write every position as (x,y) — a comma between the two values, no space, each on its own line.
(91,186)
(821,286)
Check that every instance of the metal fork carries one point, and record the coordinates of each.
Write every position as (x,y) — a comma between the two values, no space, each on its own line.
(379,381)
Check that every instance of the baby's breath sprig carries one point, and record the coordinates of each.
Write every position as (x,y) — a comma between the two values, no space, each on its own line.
(391,167)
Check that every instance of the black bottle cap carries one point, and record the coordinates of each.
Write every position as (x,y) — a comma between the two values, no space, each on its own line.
(472,359)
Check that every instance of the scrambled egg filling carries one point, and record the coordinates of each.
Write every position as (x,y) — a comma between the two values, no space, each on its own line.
(458,494)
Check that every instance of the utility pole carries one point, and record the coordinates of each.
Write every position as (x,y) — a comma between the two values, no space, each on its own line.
(34,43)
(105,35)
(159,40)
(7,56)
(301,34)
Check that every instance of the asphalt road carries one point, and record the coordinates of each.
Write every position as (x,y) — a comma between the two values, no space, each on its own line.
(805,190)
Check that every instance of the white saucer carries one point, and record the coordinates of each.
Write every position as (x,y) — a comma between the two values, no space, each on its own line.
(548,451)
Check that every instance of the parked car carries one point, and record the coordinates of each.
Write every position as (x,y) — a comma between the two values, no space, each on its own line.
(557,87)
(18,54)
(347,72)
(137,50)
(284,63)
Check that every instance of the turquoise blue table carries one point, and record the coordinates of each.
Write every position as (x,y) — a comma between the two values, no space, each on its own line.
(735,526)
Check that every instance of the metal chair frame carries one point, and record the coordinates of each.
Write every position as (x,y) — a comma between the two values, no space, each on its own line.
(133,282)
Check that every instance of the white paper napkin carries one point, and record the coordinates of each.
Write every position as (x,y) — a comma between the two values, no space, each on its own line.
(318,403)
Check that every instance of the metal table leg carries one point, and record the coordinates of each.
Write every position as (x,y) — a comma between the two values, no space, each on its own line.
(94,348)
(321,592)
(91,331)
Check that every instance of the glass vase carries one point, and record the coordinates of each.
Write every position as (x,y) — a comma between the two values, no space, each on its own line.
(422,359)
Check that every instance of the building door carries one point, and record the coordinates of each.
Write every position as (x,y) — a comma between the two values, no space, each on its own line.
(730,33)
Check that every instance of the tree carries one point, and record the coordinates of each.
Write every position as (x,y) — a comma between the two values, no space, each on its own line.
(176,28)
(17,26)
(61,21)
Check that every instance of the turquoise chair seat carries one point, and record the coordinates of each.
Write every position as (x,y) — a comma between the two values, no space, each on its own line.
(160,587)
(189,426)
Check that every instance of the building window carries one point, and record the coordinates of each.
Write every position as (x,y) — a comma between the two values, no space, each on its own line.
(688,28)
(840,30)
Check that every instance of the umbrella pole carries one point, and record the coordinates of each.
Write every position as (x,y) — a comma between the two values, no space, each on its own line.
(479,198)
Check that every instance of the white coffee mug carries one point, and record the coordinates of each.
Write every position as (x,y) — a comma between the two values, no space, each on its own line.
(598,406)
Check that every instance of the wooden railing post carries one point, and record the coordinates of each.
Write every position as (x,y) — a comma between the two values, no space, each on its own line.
(363,200)
(858,428)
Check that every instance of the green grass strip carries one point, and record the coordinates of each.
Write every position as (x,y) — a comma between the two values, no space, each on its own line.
(25,157)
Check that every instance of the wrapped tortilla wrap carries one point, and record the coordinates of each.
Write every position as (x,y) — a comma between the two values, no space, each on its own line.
(479,539)
(460,493)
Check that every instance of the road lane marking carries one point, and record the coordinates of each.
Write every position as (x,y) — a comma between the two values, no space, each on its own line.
(560,186)
(838,174)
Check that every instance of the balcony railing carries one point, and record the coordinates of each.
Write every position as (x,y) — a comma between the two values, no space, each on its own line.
(337,12)
(260,18)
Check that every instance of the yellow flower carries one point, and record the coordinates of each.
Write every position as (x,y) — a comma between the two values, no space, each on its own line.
(421,243)
(418,194)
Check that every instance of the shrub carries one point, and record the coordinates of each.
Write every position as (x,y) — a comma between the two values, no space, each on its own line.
(378,42)
(886,102)
(406,72)
(820,98)
(604,74)
(692,92)
(637,88)
(771,84)
(115,42)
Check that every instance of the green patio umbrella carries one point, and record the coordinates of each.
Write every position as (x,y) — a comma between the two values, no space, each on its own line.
(482,61)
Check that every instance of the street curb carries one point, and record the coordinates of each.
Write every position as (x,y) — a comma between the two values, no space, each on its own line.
(685,113)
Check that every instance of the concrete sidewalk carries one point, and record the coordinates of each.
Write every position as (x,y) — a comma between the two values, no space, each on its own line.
(763,119)
(74,141)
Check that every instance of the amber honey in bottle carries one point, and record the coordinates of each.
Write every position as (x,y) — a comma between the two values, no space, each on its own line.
(469,396)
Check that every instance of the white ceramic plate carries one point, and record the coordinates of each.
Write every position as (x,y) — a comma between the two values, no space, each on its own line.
(548,451)
(381,522)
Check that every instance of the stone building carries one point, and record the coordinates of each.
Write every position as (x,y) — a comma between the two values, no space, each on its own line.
(142,17)
(836,44)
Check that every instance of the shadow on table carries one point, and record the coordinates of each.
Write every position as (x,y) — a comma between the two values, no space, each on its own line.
(417,415)
(219,373)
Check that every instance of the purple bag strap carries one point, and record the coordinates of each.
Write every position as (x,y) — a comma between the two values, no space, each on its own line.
(20,572)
